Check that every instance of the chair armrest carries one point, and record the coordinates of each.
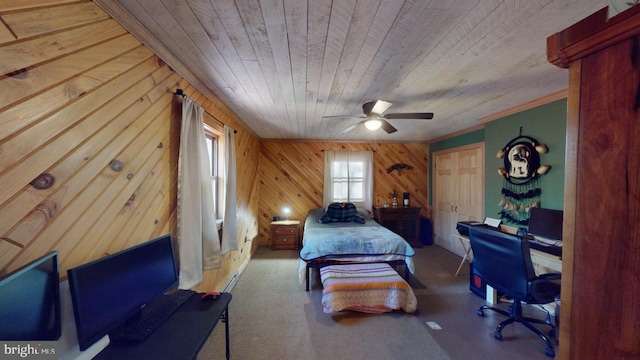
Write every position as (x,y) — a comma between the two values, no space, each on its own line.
(545,288)
(551,276)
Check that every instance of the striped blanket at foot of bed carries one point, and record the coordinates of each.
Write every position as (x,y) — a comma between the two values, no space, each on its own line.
(370,288)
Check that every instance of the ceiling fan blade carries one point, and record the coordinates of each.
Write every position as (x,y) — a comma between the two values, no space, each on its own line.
(343,117)
(380,107)
(375,107)
(425,116)
(351,127)
(388,127)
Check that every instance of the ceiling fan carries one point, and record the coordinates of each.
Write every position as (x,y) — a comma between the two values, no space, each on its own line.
(374,118)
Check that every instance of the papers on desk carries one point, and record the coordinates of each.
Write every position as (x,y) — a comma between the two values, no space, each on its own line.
(492,222)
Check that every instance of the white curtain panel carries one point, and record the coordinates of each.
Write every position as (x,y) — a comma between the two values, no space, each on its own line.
(230,227)
(355,171)
(198,242)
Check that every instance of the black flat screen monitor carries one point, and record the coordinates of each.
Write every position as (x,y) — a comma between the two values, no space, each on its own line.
(109,291)
(30,301)
(546,223)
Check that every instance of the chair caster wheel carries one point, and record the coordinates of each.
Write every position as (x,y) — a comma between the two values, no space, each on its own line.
(497,335)
(480,313)
(549,352)
(552,333)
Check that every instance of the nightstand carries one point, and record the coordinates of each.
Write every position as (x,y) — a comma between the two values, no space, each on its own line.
(285,234)
(402,220)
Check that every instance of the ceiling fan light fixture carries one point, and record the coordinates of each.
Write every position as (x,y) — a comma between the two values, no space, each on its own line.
(373,124)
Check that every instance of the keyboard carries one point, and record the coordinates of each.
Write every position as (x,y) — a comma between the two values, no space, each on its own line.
(140,328)
(549,249)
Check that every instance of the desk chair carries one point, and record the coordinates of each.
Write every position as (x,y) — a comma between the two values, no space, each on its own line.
(503,261)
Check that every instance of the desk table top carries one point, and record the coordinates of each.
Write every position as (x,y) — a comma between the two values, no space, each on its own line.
(179,337)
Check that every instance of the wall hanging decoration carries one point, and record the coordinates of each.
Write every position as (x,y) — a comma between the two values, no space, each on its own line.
(399,167)
(517,200)
(521,172)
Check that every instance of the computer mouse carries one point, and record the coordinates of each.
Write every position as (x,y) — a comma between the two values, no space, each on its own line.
(211,295)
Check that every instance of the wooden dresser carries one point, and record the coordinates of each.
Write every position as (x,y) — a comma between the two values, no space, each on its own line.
(404,221)
(285,234)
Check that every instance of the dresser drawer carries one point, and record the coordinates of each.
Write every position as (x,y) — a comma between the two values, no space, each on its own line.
(404,221)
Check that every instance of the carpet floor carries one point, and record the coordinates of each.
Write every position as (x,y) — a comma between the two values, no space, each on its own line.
(271,316)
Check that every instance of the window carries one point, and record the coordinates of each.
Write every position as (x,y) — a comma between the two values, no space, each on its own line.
(215,141)
(349,177)
(348,181)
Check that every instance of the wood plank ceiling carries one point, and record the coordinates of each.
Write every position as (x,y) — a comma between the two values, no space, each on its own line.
(282,65)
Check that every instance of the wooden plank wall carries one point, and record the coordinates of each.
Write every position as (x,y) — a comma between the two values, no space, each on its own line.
(89,138)
(291,173)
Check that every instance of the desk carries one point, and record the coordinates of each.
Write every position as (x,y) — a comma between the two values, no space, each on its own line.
(179,337)
(542,260)
(542,263)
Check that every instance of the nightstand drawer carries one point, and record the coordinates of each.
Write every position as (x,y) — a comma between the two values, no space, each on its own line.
(285,242)
(285,230)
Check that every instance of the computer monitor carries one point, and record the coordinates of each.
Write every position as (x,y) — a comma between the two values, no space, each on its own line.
(30,301)
(545,223)
(109,291)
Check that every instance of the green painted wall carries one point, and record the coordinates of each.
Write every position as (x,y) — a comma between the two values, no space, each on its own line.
(547,124)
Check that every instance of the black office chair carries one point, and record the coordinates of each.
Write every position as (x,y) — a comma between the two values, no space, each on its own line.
(503,261)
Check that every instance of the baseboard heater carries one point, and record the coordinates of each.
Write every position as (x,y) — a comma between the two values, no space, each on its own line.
(231,283)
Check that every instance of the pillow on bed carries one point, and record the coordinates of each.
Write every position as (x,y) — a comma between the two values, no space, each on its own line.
(339,212)
(366,214)
(357,218)
(325,219)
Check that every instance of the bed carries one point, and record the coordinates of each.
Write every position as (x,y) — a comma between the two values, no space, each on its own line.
(371,288)
(350,242)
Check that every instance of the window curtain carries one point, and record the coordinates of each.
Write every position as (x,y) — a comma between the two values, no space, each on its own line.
(363,173)
(198,242)
(230,228)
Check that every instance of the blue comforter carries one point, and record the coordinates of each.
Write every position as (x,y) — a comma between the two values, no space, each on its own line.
(349,239)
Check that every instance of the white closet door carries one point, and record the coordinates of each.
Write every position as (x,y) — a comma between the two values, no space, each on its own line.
(444,199)
(458,192)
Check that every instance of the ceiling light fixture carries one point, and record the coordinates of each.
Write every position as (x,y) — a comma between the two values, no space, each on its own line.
(373,124)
